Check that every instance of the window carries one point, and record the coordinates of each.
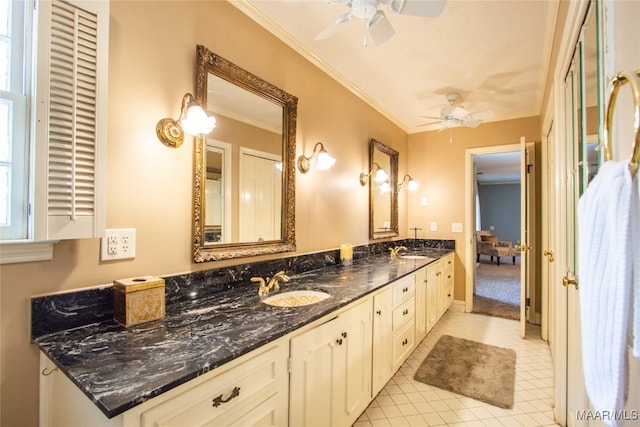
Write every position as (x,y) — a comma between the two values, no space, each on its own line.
(53,78)
(14,137)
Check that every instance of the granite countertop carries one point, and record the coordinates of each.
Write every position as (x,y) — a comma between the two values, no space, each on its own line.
(120,368)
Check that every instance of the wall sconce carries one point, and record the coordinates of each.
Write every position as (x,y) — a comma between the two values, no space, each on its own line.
(193,120)
(412,185)
(381,175)
(324,162)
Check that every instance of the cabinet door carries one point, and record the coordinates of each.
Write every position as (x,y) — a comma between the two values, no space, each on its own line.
(432,295)
(313,363)
(353,395)
(382,340)
(331,370)
(421,304)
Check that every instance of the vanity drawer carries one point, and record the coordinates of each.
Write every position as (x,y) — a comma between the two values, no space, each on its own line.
(403,344)
(403,314)
(403,290)
(250,389)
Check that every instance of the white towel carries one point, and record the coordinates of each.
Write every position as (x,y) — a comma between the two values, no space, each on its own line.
(605,278)
(635,249)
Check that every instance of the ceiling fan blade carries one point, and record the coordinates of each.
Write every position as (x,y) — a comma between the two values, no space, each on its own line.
(472,123)
(331,29)
(428,124)
(482,115)
(427,8)
(380,28)
(433,117)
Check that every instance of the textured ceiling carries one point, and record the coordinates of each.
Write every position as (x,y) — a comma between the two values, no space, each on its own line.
(494,53)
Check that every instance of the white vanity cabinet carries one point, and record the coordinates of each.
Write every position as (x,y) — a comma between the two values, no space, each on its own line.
(251,390)
(382,339)
(330,382)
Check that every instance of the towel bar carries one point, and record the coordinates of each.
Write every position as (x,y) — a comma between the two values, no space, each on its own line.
(617,82)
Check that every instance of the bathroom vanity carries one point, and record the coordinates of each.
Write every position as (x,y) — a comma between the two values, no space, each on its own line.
(230,359)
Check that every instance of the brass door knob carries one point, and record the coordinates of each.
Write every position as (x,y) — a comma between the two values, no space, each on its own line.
(550,255)
(566,282)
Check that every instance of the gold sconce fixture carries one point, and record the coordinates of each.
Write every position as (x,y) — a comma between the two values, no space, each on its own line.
(193,120)
(412,185)
(324,161)
(381,175)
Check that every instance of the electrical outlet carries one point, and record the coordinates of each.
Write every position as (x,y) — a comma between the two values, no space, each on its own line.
(118,243)
(456,227)
(434,226)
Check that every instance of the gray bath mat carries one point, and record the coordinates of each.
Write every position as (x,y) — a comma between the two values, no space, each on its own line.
(480,371)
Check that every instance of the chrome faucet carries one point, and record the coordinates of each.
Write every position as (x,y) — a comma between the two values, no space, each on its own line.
(264,288)
(394,251)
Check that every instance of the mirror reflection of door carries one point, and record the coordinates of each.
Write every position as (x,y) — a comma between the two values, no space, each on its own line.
(217,190)
(260,196)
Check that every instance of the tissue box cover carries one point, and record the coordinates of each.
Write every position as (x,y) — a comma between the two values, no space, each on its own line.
(138,300)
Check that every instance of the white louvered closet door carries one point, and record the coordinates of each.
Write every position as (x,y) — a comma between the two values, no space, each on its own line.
(70,140)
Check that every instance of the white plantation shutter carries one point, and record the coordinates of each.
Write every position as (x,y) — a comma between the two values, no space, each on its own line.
(71,119)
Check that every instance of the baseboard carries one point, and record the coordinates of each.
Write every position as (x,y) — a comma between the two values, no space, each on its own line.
(457,306)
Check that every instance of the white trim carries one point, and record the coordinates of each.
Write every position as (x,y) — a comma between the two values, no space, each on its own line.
(264,21)
(25,251)
(470,256)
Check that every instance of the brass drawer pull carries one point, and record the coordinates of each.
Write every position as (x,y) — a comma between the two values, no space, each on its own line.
(219,400)
(405,312)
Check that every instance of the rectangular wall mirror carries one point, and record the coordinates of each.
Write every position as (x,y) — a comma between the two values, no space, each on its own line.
(244,171)
(383,196)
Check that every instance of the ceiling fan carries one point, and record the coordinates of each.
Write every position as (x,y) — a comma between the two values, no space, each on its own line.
(456,115)
(376,21)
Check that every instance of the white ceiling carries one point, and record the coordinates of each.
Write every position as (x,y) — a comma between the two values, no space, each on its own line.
(494,53)
(498,168)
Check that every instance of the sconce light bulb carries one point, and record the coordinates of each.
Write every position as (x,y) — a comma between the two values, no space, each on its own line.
(385,187)
(412,185)
(381,176)
(197,121)
(325,161)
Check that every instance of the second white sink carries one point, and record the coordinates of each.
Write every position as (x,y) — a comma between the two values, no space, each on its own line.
(296,298)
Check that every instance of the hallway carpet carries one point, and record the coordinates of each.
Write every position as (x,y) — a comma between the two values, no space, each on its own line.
(497,289)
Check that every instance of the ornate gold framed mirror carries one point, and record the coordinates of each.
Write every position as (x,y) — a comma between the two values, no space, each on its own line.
(244,170)
(383,196)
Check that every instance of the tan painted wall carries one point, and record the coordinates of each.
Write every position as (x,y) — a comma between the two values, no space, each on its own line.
(152,65)
(439,167)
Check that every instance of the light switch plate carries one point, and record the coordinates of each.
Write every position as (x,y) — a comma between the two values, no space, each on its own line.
(456,227)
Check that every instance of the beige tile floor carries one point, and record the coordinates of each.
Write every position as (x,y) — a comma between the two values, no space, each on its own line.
(406,402)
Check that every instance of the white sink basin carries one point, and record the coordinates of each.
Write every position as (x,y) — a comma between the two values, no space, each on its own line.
(296,298)
(412,256)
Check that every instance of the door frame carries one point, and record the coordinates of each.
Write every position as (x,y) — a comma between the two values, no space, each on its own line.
(470,214)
